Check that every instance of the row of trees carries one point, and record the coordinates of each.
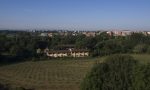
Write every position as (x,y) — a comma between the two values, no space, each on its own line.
(24,44)
(127,44)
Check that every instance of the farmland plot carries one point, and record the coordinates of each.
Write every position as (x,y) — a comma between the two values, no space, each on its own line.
(46,75)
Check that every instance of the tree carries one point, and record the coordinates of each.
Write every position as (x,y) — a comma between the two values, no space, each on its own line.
(103,37)
(114,74)
(141,79)
(118,72)
(109,47)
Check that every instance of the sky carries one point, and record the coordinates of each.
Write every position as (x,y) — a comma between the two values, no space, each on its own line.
(75,14)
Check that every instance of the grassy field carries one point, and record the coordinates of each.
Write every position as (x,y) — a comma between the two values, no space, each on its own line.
(46,75)
(52,74)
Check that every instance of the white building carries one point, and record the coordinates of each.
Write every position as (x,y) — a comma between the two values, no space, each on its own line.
(68,53)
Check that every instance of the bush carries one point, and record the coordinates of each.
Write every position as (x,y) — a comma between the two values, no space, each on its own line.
(142,78)
(118,72)
(140,48)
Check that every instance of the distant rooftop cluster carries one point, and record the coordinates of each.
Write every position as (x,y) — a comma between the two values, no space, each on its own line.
(126,32)
(91,33)
(51,33)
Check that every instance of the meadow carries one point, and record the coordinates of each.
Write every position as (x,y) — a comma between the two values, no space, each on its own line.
(52,74)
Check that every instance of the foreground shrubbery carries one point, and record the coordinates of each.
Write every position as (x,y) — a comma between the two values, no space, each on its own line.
(118,72)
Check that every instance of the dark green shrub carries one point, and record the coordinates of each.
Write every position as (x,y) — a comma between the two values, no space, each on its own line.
(118,72)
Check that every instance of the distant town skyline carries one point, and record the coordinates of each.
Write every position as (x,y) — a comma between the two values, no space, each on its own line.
(75,14)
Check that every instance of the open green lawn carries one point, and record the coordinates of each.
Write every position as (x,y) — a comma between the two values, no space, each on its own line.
(52,74)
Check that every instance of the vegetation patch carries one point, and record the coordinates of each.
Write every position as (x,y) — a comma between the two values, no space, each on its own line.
(118,72)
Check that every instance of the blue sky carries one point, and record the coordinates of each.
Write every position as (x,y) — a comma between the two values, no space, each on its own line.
(75,14)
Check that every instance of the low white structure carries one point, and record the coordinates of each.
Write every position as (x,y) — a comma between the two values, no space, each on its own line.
(68,53)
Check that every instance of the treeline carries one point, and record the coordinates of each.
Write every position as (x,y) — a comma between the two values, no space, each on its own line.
(23,44)
(120,44)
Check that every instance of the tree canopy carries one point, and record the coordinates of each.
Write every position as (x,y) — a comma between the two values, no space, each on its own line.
(118,72)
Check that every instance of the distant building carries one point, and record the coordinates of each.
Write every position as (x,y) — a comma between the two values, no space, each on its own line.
(148,32)
(50,34)
(119,33)
(126,33)
(110,33)
(68,53)
(44,34)
(89,33)
(144,32)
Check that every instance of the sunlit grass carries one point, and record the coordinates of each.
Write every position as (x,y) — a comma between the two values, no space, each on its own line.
(52,74)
